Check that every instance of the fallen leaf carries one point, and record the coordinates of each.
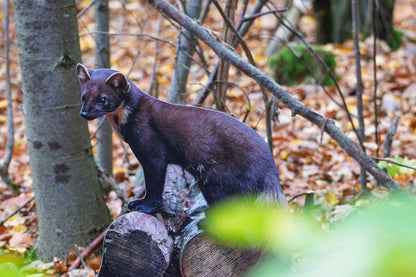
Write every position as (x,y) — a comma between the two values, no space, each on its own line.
(331,199)
(21,242)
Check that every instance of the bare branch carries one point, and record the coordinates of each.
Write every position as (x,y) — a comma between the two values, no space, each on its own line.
(393,162)
(254,16)
(17,210)
(242,27)
(153,78)
(81,13)
(283,20)
(296,107)
(131,35)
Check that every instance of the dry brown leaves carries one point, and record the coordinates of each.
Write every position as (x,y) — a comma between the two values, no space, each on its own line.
(306,158)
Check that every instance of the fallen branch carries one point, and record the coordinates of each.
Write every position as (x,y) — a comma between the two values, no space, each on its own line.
(91,247)
(262,78)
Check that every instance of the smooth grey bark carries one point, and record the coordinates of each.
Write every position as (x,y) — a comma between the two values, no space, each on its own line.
(262,78)
(185,50)
(102,60)
(360,86)
(8,153)
(70,205)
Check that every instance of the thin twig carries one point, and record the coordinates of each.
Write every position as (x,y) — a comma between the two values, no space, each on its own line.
(327,69)
(294,105)
(242,28)
(240,88)
(81,13)
(17,210)
(252,62)
(374,6)
(122,17)
(313,76)
(323,129)
(91,247)
(153,78)
(293,197)
(136,57)
(94,135)
(131,35)
(392,162)
(254,16)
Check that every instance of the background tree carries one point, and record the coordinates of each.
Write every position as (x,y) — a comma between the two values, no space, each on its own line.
(5,161)
(335,19)
(102,60)
(184,52)
(227,36)
(70,205)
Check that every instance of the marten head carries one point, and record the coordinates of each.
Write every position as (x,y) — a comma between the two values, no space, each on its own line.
(103,91)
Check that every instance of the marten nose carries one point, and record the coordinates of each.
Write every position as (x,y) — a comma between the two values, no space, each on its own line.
(83,114)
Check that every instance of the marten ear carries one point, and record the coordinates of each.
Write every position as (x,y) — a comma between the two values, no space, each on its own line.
(118,81)
(83,74)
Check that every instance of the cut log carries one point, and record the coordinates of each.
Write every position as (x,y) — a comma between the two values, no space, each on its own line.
(136,244)
(202,257)
(170,243)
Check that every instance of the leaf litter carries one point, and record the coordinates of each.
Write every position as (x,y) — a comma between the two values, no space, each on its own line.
(306,158)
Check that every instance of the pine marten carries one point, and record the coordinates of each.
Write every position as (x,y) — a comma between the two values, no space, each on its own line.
(225,156)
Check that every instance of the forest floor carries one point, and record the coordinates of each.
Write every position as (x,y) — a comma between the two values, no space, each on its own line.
(306,158)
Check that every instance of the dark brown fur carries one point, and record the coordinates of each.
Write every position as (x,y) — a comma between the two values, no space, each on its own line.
(226,156)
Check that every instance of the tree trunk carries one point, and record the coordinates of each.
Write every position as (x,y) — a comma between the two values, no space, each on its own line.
(227,36)
(70,205)
(102,60)
(186,49)
(335,19)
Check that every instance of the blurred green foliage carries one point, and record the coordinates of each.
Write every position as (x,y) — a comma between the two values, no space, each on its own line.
(297,64)
(377,240)
(396,39)
(393,169)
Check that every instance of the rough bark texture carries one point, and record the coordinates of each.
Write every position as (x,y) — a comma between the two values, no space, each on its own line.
(70,205)
(268,83)
(102,60)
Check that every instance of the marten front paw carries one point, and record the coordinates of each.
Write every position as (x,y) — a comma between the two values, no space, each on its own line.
(142,206)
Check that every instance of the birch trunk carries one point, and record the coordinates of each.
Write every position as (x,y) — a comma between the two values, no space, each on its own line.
(70,205)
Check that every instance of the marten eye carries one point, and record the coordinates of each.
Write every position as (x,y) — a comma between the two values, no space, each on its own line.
(103,100)
(82,98)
